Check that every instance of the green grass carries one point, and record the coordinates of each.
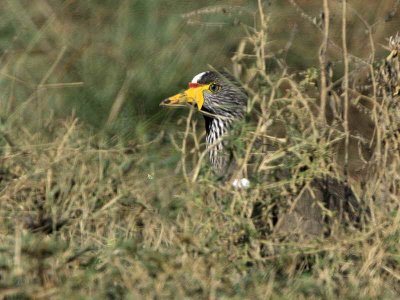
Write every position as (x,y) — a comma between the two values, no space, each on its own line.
(100,207)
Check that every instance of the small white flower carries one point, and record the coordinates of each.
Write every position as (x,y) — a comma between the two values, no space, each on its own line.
(242,183)
(150,177)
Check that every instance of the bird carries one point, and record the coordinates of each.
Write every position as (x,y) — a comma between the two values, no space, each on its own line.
(223,101)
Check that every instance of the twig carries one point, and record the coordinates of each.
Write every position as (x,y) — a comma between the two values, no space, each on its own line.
(119,100)
(322,60)
(346,94)
(53,66)
(184,141)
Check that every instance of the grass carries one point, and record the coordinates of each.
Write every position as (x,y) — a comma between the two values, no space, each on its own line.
(105,196)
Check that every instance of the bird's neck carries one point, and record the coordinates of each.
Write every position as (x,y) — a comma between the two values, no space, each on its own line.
(216,128)
(219,155)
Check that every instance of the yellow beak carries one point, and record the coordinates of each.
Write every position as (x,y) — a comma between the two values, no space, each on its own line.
(193,95)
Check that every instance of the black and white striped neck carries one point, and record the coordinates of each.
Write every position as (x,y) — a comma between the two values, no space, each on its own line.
(219,155)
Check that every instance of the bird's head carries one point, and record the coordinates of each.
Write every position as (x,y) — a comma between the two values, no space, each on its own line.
(214,93)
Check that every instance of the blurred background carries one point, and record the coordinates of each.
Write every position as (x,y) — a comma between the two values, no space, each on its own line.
(102,207)
(110,62)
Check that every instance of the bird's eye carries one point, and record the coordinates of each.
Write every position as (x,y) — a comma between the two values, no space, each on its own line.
(214,87)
